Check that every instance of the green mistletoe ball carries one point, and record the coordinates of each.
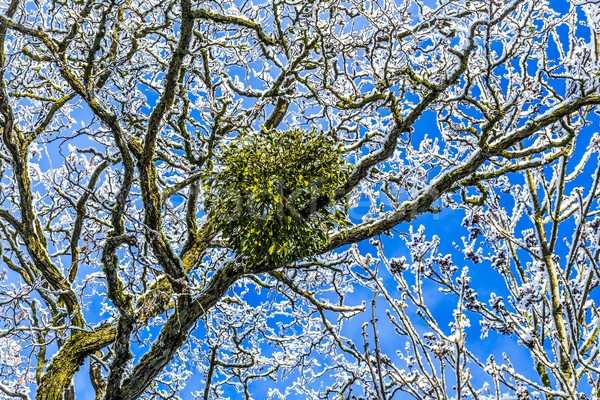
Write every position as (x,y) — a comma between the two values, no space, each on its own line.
(263,191)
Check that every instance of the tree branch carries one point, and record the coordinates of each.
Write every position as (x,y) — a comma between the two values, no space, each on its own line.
(446,183)
(69,358)
(222,19)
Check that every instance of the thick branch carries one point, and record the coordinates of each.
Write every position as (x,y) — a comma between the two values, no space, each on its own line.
(150,192)
(8,217)
(70,357)
(424,201)
(176,330)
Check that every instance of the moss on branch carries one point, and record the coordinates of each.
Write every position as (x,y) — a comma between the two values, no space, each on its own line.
(70,357)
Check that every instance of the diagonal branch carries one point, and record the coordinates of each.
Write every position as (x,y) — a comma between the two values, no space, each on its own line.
(70,357)
(79,219)
(446,183)
(8,217)
(177,328)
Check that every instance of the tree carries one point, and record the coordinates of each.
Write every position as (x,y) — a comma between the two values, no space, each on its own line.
(136,241)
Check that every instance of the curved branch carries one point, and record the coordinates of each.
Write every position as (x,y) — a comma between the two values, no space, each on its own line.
(222,19)
(8,217)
